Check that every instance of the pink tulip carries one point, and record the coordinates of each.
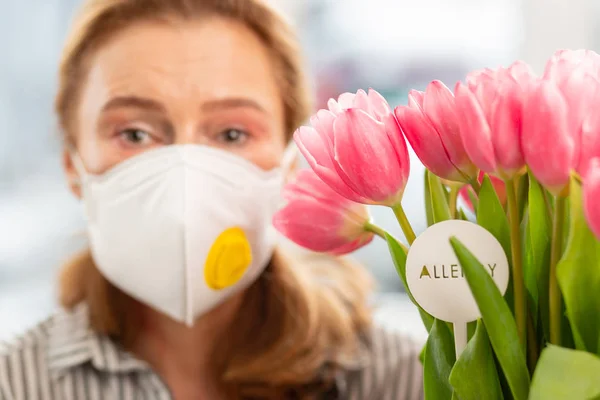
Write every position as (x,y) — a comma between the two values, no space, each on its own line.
(357,148)
(548,146)
(577,73)
(430,124)
(564,63)
(590,139)
(561,126)
(591,194)
(490,113)
(319,219)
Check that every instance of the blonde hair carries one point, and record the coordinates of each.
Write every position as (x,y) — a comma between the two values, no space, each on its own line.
(310,311)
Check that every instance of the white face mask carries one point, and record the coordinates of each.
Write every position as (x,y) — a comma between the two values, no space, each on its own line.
(183,227)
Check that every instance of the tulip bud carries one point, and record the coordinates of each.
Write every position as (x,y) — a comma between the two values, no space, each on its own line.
(490,109)
(357,148)
(319,219)
(548,146)
(561,125)
(430,124)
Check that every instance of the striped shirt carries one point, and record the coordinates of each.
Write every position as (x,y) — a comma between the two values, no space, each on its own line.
(63,359)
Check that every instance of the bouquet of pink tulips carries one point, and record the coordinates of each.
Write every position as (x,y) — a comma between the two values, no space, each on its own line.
(523,152)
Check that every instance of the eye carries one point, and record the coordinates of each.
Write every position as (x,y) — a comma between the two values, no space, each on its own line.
(135,136)
(233,135)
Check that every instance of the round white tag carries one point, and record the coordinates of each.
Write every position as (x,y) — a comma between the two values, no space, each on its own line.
(435,277)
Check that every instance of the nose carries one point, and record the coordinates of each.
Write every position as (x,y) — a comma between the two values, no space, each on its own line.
(189,134)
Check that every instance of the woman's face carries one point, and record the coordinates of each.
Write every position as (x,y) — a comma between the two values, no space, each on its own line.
(208,82)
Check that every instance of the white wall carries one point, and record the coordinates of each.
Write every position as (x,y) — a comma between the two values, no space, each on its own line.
(553,24)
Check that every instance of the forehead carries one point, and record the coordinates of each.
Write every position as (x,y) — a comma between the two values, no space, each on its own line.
(213,57)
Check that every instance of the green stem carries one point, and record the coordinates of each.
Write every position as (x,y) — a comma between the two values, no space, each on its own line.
(555,255)
(522,188)
(453,199)
(520,297)
(404,223)
(375,229)
(547,202)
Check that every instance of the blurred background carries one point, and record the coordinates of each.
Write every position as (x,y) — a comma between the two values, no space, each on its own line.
(390,45)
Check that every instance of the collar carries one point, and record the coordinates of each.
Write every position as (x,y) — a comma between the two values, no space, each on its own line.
(72,343)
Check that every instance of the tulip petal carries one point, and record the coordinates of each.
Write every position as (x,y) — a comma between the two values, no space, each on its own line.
(381,110)
(506,129)
(473,77)
(322,122)
(310,225)
(590,140)
(334,107)
(399,145)
(307,183)
(426,143)
(363,150)
(346,100)
(486,94)
(379,104)
(416,99)
(318,218)
(361,101)
(439,106)
(354,245)
(547,145)
(315,149)
(337,180)
(314,146)
(474,130)
(482,84)
(398,142)
(563,62)
(579,89)
(591,194)
(521,72)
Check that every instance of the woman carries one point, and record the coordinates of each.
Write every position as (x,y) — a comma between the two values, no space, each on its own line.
(176,115)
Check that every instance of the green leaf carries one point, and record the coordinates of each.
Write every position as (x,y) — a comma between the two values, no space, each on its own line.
(566,374)
(498,321)
(474,376)
(439,358)
(428,205)
(439,199)
(422,354)
(566,339)
(399,258)
(578,274)
(492,216)
(538,230)
(471,329)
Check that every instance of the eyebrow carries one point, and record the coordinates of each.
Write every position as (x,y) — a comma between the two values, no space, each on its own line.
(133,101)
(153,105)
(233,102)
